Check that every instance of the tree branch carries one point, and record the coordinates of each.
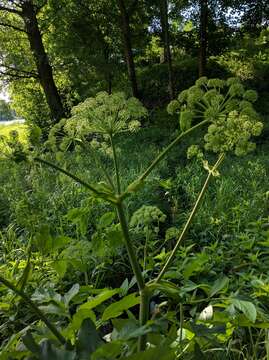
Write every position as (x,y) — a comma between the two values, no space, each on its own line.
(10,10)
(16,76)
(17,73)
(13,27)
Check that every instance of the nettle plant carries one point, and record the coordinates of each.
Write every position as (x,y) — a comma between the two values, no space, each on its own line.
(223,109)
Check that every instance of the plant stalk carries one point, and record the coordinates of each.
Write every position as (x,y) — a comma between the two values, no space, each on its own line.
(167,149)
(143,316)
(35,308)
(143,290)
(116,164)
(189,221)
(130,250)
(72,176)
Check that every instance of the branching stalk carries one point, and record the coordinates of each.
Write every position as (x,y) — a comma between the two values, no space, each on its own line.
(116,164)
(189,221)
(72,176)
(38,312)
(168,148)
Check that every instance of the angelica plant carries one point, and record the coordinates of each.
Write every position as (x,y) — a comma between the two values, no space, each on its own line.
(223,108)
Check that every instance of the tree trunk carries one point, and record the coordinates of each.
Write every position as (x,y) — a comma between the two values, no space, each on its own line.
(126,32)
(44,68)
(203,37)
(108,71)
(167,50)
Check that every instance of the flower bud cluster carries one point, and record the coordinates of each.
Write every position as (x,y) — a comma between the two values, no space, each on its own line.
(147,217)
(104,114)
(229,110)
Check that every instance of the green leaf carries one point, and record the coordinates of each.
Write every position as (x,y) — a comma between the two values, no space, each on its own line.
(81,315)
(54,309)
(97,300)
(158,353)
(247,308)
(70,294)
(108,351)
(60,266)
(60,242)
(218,285)
(30,343)
(195,265)
(106,219)
(116,309)
(167,288)
(188,26)
(125,287)
(43,239)
(49,352)
(88,340)
(115,237)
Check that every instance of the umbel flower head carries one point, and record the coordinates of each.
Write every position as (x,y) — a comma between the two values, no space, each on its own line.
(227,107)
(105,115)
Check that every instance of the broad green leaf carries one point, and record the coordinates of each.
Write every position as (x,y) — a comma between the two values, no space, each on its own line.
(188,26)
(124,287)
(97,300)
(116,309)
(108,351)
(30,343)
(60,266)
(60,242)
(158,353)
(247,308)
(167,288)
(70,294)
(49,352)
(81,315)
(106,219)
(218,285)
(88,340)
(54,309)
(195,265)
(115,237)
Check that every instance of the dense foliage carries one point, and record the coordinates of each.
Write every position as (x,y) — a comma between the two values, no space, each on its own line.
(134,205)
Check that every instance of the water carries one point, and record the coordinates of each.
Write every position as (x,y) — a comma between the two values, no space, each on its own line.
(12,122)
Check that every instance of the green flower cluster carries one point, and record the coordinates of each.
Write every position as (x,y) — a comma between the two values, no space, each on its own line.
(232,133)
(147,218)
(99,117)
(227,107)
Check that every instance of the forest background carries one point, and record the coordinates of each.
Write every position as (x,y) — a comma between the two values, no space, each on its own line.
(65,253)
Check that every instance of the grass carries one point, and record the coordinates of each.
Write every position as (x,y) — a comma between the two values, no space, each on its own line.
(20,128)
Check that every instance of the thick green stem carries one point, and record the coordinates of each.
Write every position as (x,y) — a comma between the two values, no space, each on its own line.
(116,165)
(189,221)
(72,176)
(38,312)
(143,316)
(144,291)
(130,250)
(168,148)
